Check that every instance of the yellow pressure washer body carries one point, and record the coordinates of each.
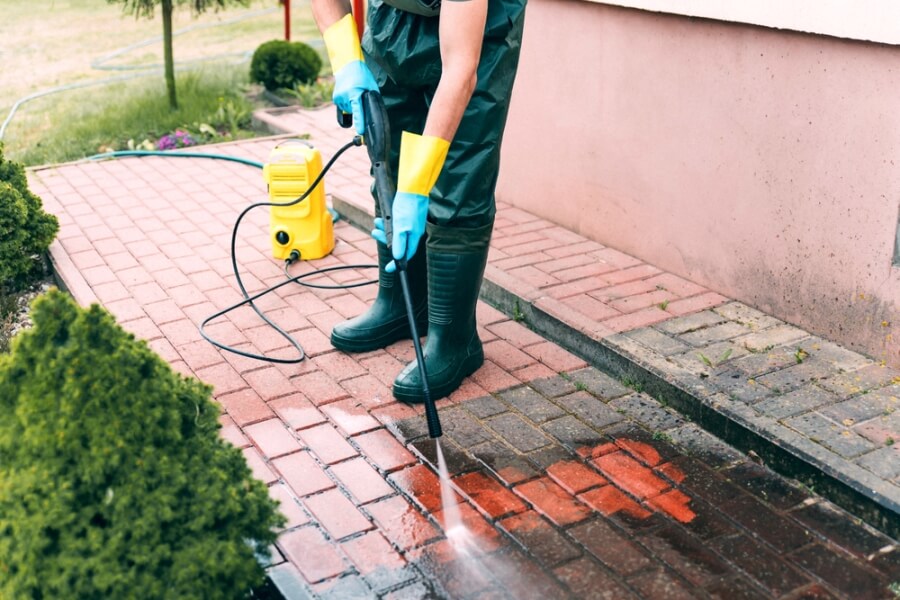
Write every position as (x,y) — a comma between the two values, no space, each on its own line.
(306,226)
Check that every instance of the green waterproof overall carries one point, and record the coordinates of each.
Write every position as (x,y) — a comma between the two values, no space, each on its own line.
(402,50)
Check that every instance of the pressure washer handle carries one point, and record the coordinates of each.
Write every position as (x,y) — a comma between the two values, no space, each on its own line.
(378,144)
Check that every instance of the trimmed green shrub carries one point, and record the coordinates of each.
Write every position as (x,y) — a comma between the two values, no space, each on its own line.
(114,481)
(280,64)
(26,231)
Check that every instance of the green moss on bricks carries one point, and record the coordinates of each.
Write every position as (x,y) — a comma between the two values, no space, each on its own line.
(114,480)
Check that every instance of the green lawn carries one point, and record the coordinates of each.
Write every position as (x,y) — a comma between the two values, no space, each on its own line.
(56,45)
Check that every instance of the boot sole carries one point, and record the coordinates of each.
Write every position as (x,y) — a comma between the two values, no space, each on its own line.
(411,395)
(367,345)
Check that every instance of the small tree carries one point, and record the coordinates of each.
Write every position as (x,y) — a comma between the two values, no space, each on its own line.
(26,231)
(114,481)
(147,8)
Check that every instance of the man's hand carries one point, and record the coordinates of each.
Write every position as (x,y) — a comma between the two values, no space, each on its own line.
(351,75)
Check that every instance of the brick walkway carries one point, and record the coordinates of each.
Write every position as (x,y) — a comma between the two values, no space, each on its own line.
(573,484)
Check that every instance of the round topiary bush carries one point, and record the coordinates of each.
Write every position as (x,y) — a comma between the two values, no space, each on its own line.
(26,231)
(114,481)
(280,64)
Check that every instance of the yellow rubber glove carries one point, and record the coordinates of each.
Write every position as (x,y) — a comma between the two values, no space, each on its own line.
(351,75)
(421,160)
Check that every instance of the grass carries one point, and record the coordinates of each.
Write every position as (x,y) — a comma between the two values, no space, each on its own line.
(136,111)
(50,48)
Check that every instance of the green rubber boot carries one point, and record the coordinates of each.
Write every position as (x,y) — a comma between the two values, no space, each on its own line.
(386,322)
(456,260)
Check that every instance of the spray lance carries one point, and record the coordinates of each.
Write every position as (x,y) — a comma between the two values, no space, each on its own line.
(378,143)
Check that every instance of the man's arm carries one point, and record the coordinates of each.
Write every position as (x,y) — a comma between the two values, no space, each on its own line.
(461,33)
(328,12)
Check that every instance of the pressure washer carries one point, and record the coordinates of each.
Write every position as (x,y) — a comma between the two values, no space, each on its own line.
(299,231)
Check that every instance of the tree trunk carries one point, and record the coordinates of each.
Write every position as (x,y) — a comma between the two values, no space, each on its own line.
(167,53)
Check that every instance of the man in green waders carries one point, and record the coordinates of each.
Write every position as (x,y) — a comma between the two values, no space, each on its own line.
(445,72)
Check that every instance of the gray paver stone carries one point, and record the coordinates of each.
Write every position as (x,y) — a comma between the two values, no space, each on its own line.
(718,354)
(517,433)
(532,404)
(680,325)
(594,412)
(884,429)
(760,363)
(647,411)
(509,467)
(598,383)
(485,407)
(711,335)
(861,408)
(804,399)
(855,382)
(553,387)
(657,341)
(572,433)
(884,462)
(463,428)
(839,439)
(704,446)
(793,377)
(740,387)
(840,358)
(779,335)
(746,315)
(546,457)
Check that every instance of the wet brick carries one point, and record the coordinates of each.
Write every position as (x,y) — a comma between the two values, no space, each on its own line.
(532,404)
(609,500)
(574,476)
(371,552)
(765,485)
(548,456)
(553,502)
(520,577)
(409,430)
(301,472)
(572,433)
(471,580)
(784,534)
(483,532)
(599,384)
(540,539)
(841,529)
(767,568)
(401,523)
(610,547)
(591,410)
(734,588)
(838,571)
(361,480)
(708,523)
(384,450)
(642,443)
(336,514)
(657,341)
(462,428)
(801,400)
(384,578)
(518,433)
(553,387)
(329,445)
(687,555)
(660,583)
(700,481)
(456,460)
(587,579)
(704,446)
(485,407)
(831,435)
(423,485)
(508,466)
(489,495)
(630,475)
(312,554)
(647,411)
(289,583)
(350,587)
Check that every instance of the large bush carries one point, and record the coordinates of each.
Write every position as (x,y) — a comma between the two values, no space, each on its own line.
(114,481)
(280,64)
(25,229)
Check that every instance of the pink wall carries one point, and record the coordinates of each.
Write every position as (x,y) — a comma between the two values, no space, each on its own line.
(763,164)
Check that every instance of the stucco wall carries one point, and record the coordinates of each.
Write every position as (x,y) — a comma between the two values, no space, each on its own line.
(763,164)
